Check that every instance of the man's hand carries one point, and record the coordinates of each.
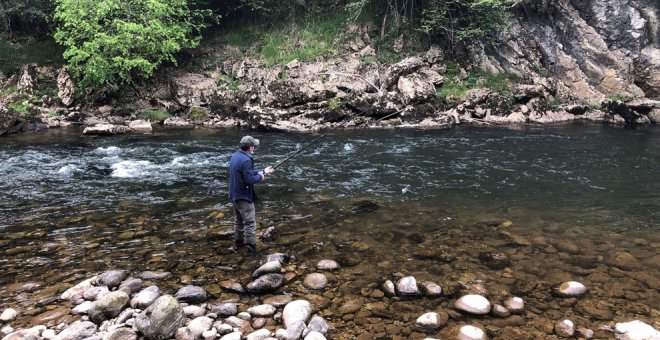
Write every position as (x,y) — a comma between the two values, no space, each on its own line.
(269,170)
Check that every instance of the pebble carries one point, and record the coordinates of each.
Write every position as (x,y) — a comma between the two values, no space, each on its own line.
(388,288)
(244,315)
(8,314)
(515,305)
(193,311)
(314,336)
(267,268)
(469,332)
(82,308)
(429,321)
(407,286)
(261,310)
(500,311)
(210,334)
(570,289)
(565,328)
(431,289)
(232,336)
(474,304)
(636,330)
(315,281)
(200,325)
(327,265)
(298,310)
(266,283)
(225,309)
(258,335)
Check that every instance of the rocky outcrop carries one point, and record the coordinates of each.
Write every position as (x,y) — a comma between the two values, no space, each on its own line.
(65,87)
(596,48)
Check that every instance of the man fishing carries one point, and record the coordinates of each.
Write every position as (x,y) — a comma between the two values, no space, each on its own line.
(242,178)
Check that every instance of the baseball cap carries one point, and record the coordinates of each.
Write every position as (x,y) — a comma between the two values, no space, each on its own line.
(249,141)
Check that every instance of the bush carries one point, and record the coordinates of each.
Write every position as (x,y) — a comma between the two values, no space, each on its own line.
(116,41)
(153,115)
(456,84)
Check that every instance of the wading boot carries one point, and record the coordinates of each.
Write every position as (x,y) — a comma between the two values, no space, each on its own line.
(250,249)
(236,247)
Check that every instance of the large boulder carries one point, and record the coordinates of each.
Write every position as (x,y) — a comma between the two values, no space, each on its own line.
(65,87)
(105,129)
(191,89)
(415,88)
(161,319)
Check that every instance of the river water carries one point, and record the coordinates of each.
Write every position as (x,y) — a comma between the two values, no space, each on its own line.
(377,200)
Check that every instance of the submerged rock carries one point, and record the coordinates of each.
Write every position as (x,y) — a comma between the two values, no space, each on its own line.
(266,283)
(431,321)
(273,266)
(315,281)
(570,289)
(565,328)
(474,304)
(407,286)
(635,330)
(469,332)
(327,265)
(494,259)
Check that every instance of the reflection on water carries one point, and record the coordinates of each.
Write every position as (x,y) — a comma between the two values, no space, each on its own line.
(422,203)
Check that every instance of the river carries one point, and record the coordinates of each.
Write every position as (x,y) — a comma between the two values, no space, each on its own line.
(377,200)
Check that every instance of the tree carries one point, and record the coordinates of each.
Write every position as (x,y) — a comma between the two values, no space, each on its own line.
(464,20)
(25,16)
(117,41)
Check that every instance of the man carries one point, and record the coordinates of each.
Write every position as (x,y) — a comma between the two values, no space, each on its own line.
(242,178)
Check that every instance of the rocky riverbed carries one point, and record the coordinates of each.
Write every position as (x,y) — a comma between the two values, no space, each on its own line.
(492,279)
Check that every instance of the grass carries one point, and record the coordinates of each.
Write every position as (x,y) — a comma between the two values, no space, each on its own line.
(455,87)
(311,37)
(621,98)
(21,107)
(229,83)
(9,90)
(153,115)
(13,56)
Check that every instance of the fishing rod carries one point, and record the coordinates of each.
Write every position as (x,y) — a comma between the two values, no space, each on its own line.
(323,135)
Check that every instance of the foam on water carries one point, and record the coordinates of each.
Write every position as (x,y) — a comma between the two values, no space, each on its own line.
(132,169)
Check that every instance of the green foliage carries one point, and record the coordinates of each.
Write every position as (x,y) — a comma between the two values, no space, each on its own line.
(464,20)
(117,41)
(596,106)
(21,17)
(335,103)
(153,115)
(457,84)
(21,107)
(229,83)
(556,101)
(314,36)
(621,98)
(197,113)
(8,90)
(13,56)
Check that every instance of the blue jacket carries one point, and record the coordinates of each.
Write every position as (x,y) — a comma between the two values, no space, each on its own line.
(242,177)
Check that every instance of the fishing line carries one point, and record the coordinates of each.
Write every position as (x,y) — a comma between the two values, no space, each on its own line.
(323,135)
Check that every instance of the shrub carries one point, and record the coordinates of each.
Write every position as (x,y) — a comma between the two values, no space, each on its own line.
(116,41)
(153,115)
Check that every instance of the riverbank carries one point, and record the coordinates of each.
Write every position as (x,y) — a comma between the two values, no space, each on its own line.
(503,279)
